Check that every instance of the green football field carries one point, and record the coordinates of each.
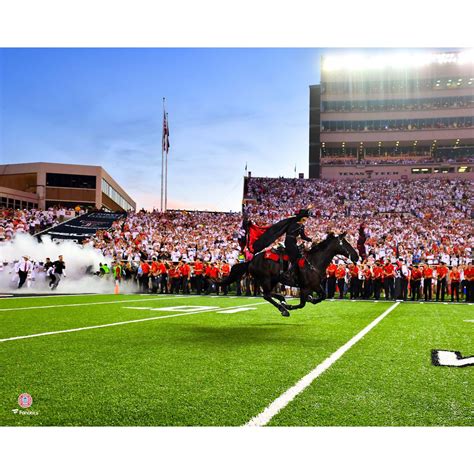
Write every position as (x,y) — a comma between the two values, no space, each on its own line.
(161,360)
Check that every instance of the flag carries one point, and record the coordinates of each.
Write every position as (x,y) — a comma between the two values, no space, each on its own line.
(295,168)
(166,133)
(245,166)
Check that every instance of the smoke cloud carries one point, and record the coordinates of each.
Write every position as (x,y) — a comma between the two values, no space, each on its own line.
(76,257)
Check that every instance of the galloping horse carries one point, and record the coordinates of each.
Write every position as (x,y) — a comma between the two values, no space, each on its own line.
(267,273)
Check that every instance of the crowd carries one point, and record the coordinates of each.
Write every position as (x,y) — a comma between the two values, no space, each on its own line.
(174,236)
(415,226)
(422,220)
(30,221)
(420,232)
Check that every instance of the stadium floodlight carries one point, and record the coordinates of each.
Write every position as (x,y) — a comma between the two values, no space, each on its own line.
(394,61)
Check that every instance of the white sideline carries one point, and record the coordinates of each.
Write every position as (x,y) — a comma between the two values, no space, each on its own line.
(283,400)
(122,322)
(69,295)
(99,302)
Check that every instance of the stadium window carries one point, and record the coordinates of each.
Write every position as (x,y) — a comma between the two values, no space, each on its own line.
(60,180)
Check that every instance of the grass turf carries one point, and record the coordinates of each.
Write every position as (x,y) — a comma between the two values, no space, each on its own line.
(223,369)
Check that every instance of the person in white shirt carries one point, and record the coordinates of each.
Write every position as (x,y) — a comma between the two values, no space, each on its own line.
(23,269)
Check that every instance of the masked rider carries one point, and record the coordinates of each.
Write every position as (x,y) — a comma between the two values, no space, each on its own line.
(292,227)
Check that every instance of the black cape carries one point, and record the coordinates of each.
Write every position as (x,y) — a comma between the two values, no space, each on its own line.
(273,233)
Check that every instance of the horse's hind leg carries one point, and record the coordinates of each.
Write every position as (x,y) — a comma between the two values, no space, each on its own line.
(268,296)
(322,296)
(303,298)
(280,298)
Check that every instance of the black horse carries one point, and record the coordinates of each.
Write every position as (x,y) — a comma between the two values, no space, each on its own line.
(268,273)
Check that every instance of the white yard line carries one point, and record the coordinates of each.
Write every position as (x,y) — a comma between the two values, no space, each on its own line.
(99,302)
(283,400)
(122,322)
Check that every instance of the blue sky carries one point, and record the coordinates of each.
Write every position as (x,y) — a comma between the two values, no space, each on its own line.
(227,107)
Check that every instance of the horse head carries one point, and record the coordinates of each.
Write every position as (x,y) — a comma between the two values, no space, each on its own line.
(335,245)
(345,248)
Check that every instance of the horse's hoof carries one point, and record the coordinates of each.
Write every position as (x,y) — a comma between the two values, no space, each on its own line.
(285,313)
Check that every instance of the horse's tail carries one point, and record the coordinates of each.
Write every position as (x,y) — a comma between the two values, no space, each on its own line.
(236,273)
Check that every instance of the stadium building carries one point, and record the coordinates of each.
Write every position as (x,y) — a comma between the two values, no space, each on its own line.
(393,116)
(44,185)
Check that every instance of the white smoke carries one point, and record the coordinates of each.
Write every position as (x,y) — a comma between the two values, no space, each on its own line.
(76,257)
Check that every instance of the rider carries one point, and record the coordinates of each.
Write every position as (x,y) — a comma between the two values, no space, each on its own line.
(293,227)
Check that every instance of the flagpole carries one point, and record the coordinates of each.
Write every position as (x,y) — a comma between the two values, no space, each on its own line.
(162,159)
(166,170)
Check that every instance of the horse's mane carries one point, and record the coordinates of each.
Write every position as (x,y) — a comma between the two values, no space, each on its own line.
(323,245)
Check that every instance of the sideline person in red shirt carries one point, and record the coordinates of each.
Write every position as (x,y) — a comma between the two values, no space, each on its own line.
(340,276)
(469,277)
(185,271)
(455,277)
(331,279)
(441,283)
(428,282)
(144,277)
(416,276)
(198,272)
(389,280)
(378,278)
(354,285)
(225,271)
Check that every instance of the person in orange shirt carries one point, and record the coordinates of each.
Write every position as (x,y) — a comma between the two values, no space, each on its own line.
(455,277)
(469,277)
(225,271)
(144,277)
(415,282)
(340,276)
(185,271)
(441,282)
(368,282)
(389,280)
(354,284)
(163,277)
(428,282)
(154,275)
(378,277)
(212,272)
(198,275)
(174,276)
(331,279)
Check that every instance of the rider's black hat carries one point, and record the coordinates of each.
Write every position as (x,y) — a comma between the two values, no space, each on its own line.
(302,213)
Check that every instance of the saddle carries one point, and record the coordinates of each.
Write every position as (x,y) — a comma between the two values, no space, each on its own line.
(278,254)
